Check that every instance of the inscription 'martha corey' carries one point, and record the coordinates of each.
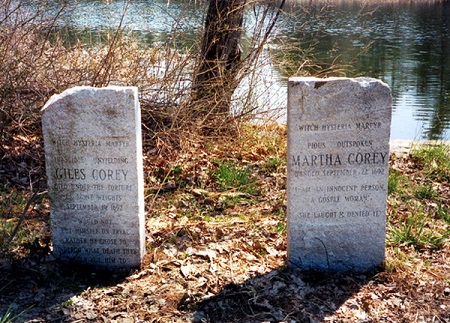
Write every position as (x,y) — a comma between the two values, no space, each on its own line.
(94,167)
(368,158)
(338,154)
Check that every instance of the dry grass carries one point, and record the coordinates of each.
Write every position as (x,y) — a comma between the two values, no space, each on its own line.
(36,62)
(216,210)
(216,253)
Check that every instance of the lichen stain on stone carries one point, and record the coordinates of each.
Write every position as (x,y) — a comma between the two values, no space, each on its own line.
(319,84)
(70,107)
(293,84)
(111,112)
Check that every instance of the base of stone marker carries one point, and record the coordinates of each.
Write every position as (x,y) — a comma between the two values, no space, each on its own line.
(337,248)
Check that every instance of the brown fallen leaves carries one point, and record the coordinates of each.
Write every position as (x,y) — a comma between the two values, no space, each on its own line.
(217,255)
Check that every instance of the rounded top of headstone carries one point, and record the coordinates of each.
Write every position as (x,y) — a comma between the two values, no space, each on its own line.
(312,96)
(84,107)
(318,82)
(88,91)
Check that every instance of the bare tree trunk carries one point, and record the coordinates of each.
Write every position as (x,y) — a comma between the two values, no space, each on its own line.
(216,75)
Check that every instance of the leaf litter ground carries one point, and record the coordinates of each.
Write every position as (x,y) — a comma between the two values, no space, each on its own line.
(216,250)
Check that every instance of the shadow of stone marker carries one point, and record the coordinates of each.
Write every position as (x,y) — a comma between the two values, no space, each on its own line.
(93,153)
(338,153)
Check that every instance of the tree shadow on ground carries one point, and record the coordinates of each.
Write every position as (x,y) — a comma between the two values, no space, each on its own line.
(36,288)
(282,295)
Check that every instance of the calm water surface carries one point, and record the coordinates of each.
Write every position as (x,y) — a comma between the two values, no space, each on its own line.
(405,45)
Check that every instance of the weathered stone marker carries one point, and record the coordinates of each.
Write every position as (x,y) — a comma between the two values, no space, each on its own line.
(93,151)
(338,152)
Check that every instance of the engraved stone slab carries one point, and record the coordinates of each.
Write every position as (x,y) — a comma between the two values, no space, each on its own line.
(338,152)
(93,151)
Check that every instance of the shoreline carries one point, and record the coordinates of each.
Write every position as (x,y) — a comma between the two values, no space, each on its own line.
(403,146)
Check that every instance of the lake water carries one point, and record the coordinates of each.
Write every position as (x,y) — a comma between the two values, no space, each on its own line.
(405,45)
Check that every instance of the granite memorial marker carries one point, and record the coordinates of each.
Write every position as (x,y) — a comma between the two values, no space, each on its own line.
(338,153)
(93,151)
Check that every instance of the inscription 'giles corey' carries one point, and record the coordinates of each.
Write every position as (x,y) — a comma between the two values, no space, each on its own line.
(93,151)
(338,148)
(96,174)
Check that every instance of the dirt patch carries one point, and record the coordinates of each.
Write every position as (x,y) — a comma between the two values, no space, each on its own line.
(217,253)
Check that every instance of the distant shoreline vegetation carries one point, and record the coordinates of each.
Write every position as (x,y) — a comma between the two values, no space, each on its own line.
(331,2)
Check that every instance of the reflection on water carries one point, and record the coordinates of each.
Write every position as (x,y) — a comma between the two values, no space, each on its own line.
(150,21)
(406,45)
(140,15)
